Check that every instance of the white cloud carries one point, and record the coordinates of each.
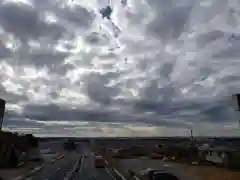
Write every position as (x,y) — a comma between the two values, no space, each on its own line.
(172,67)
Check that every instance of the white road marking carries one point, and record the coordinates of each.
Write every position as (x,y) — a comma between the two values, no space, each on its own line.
(81,164)
(71,171)
(110,173)
(119,174)
(29,174)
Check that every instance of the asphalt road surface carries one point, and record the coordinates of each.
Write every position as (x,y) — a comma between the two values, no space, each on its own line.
(138,164)
(57,170)
(87,170)
(79,163)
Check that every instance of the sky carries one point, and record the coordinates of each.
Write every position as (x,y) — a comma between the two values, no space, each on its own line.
(148,68)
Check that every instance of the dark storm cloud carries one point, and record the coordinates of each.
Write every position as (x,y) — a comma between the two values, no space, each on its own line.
(4,52)
(169,21)
(48,58)
(146,81)
(209,37)
(97,89)
(24,22)
(54,112)
(77,15)
(229,52)
(16,120)
(95,38)
(218,111)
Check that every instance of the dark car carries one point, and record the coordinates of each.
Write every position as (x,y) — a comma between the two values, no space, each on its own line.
(164,176)
(157,174)
(70,145)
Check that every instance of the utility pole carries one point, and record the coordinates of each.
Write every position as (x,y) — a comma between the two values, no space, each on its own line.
(236,104)
(2,110)
(191,134)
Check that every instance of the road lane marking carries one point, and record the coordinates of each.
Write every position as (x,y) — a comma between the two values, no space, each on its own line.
(110,173)
(73,169)
(136,178)
(36,169)
(81,164)
(119,174)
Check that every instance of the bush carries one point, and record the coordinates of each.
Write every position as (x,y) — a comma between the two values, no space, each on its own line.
(234,160)
(32,141)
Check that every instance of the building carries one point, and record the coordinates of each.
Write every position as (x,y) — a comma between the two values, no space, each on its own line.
(218,155)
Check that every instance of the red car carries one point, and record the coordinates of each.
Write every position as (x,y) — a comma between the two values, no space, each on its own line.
(100,162)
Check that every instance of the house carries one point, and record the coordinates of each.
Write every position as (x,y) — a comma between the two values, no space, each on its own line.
(218,155)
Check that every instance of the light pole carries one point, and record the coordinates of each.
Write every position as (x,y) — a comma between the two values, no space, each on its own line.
(236,103)
(2,110)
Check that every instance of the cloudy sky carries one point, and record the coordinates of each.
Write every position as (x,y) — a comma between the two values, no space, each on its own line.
(154,68)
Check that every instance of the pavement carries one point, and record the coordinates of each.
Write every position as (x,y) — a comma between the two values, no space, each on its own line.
(138,164)
(58,170)
(87,170)
(73,165)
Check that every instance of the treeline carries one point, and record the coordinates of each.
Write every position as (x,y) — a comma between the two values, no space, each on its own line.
(13,146)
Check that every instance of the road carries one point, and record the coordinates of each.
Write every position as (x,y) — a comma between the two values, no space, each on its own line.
(87,170)
(57,170)
(79,164)
(137,165)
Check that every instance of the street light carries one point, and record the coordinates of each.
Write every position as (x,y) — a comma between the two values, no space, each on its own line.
(236,101)
(2,110)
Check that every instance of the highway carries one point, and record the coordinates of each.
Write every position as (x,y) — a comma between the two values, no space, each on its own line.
(57,170)
(87,172)
(74,166)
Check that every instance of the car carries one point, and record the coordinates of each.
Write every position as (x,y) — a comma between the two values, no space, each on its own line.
(156,156)
(164,176)
(100,162)
(157,174)
(70,145)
